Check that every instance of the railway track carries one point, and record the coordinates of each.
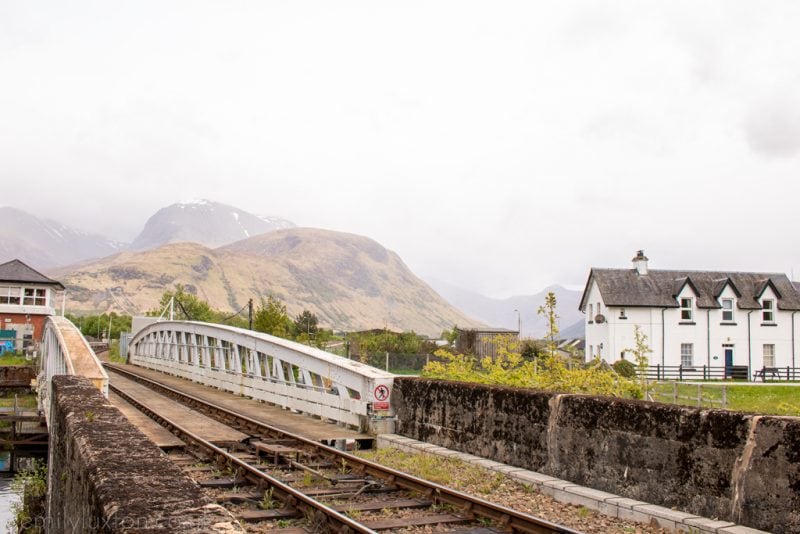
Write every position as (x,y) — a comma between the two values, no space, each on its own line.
(289,476)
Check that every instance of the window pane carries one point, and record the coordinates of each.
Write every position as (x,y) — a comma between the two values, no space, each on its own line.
(687,351)
(769,355)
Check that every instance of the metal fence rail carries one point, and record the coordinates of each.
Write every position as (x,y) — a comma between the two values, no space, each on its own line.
(736,372)
(268,368)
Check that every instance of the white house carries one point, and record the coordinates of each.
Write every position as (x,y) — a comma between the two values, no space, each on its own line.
(693,318)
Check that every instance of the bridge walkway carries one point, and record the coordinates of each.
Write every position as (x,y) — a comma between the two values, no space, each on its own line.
(300,424)
(205,427)
(163,438)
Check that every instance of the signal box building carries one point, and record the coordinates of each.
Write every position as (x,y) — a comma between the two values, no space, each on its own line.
(693,318)
(27,297)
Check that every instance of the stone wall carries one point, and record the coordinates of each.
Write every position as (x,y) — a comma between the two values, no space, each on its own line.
(16,376)
(104,475)
(715,463)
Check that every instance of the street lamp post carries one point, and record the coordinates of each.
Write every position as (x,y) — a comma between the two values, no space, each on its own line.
(519,324)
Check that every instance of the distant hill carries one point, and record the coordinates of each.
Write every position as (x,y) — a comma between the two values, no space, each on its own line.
(43,243)
(205,222)
(500,312)
(575,330)
(351,282)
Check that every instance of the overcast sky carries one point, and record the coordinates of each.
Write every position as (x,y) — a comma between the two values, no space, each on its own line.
(499,146)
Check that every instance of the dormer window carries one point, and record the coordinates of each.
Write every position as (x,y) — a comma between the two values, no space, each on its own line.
(686,309)
(768,311)
(727,310)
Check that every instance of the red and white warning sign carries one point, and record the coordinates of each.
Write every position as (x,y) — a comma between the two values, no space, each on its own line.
(382,392)
(381,395)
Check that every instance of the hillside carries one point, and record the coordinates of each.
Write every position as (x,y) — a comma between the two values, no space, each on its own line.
(43,243)
(500,312)
(202,221)
(349,281)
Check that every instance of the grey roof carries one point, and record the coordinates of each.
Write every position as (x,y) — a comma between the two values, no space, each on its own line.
(17,272)
(658,289)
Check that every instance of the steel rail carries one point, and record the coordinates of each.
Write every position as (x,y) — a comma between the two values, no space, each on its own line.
(469,504)
(286,494)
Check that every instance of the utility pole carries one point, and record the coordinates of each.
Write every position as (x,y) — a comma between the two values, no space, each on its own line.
(250,313)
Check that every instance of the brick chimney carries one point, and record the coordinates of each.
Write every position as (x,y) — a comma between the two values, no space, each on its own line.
(640,263)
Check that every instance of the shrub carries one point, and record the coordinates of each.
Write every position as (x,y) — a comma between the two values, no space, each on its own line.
(625,368)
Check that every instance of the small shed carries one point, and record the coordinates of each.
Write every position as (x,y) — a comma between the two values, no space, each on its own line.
(483,342)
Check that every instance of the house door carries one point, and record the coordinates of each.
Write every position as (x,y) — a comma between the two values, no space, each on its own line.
(728,351)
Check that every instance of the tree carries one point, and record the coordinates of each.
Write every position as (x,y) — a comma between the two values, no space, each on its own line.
(271,318)
(551,337)
(640,352)
(96,326)
(306,323)
(186,306)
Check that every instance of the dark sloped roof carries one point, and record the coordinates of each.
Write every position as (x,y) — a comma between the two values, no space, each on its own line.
(626,288)
(17,272)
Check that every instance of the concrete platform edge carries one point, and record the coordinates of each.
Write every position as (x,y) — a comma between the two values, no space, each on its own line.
(567,492)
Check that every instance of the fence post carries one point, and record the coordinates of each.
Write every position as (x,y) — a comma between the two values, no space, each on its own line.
(705,373)
(724,395)
(699,395)
(387,361)
(680,372)
(674,393)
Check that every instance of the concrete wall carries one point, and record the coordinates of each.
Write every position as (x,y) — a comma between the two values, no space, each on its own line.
(104,475)
(714,463)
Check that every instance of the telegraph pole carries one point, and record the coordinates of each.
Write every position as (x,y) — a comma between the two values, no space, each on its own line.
(250,313)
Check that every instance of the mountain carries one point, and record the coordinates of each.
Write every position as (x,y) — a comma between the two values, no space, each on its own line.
(42,243)
(350,282)
(500,312)
(575,330)
(205,222)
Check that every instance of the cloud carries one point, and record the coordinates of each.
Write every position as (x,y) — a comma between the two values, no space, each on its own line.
(772,128)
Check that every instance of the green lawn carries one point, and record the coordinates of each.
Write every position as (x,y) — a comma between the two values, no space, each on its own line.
(9,358)
(772,400)
(23,401)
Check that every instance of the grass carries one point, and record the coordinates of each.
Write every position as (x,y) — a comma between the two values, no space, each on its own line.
(23,401)
(770,400)
(11,358)
(113,352)
(446,471)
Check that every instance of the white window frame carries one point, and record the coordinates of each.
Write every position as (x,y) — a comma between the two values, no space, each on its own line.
(768,310)
(622,313)
(9,294)
(688,309)
(769,352)
(38,296)
(687,354)
(727,310)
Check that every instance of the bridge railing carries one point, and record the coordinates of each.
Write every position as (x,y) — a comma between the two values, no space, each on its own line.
(66,352)
(268,368)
